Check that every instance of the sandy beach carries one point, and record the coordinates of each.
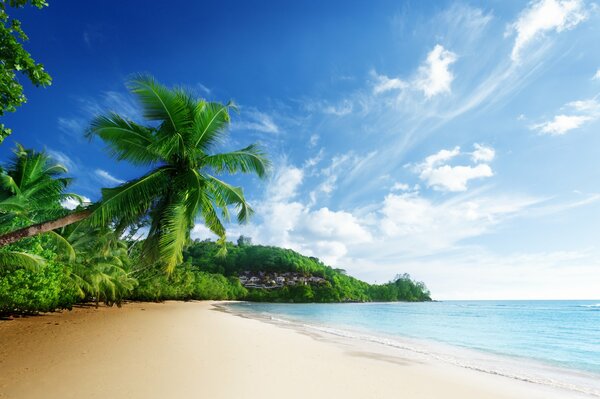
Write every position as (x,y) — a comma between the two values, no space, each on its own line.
(194,350)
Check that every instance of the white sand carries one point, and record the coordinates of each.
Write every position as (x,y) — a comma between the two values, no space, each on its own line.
(191,350)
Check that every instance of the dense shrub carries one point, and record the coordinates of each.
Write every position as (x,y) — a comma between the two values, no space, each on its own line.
(30,291)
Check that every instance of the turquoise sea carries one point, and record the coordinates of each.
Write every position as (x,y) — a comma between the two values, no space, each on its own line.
(554,343)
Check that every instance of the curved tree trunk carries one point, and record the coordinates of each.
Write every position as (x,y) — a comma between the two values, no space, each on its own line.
(43,227)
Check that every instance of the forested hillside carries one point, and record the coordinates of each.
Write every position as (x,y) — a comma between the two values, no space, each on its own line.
(220,276)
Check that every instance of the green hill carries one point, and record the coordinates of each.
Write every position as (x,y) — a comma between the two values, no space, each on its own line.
(267,274)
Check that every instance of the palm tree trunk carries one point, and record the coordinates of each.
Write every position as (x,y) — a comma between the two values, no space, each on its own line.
(43,227)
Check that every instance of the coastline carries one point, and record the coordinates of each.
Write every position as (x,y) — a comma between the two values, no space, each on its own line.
(195,349)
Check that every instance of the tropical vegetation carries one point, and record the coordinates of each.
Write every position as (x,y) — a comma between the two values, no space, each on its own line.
(53,258)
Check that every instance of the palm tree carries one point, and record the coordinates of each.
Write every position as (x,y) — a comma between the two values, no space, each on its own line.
(182,184)
(32,187)
(99,269)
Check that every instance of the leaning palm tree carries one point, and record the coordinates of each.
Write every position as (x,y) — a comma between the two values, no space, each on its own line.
(183,184)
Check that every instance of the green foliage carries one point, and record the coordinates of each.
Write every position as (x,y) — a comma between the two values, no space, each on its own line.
(178,144)
(186,283)
(14,58)
(45,288)
(32,186)
(339,287)
(99,269)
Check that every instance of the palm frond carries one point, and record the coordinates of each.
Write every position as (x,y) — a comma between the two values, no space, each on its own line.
(63,246)
(174,235)
(230,195)
(210,121)
(124,139)
(251,159)
(159,103)
(130,200)
(12,259)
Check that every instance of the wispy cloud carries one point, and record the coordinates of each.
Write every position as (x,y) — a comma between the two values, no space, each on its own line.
(253,119)
(384,84)
(63,159)
(107,177)
(596,75)
(343,108)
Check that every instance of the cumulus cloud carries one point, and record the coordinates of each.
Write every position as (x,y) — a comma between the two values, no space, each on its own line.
(285,184)
(439,175)
(434,76)
(107,177)
(581,112)
(544,16)
(596,75)
(561,124)
(483,153)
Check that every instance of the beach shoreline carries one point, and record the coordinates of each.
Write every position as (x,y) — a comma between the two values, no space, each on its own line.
(195,349)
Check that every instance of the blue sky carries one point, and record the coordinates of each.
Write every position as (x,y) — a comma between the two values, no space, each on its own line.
(456,141)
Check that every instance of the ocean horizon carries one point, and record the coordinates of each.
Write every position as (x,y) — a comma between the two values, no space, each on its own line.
(555,343)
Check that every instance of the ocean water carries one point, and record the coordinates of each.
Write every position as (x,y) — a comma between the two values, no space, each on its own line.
(553,343)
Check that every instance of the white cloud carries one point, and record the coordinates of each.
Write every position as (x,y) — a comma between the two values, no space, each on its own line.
(561,124)
(483,153)
(583,111)
(285,184)
(596,75)
(544,16)
(314,161)
(342,226)
(590,106)
(434,76)
(400,187)
(107,177)
(345,166)
(314,139)
(384,84)
(441,176)
(72,203)
(454,178)
(201,232)
(255,120)
(440,157)
(416,224)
